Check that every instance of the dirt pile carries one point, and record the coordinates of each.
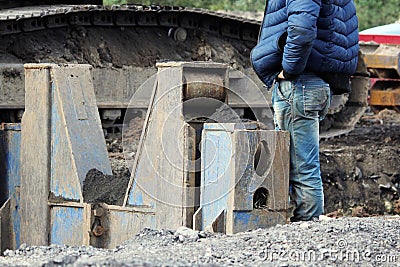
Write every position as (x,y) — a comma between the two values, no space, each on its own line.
(118,162)
(361,170)
(111,189)
(130,138)
(120,46)
(101,188)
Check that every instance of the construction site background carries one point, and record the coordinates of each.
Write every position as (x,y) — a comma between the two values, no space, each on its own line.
(371,13)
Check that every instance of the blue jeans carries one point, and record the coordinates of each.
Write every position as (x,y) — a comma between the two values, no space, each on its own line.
(299,105)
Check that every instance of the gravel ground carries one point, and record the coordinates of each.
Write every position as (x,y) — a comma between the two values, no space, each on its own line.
(372,241)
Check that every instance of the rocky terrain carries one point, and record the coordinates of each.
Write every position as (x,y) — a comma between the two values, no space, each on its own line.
(334,242)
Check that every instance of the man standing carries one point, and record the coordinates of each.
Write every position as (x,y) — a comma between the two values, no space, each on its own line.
(303,44)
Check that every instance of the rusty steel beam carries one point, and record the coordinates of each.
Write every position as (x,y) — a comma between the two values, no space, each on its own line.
(385,98)
(383,59)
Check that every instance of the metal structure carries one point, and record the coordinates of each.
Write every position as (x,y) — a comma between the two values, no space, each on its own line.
(245,181)
(10,179)
(164,174)
(381,49)
(383,62)
(123,81)
(60,140)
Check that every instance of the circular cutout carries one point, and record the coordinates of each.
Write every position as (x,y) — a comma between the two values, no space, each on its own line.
(260,198)
(262,159)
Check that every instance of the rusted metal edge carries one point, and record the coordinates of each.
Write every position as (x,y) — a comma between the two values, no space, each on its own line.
(197,64)
(136,209)
(38,66)
(52,65)
(10,126)
(144,210)
(67,204)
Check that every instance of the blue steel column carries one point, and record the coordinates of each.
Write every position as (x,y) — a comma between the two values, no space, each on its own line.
(10,142)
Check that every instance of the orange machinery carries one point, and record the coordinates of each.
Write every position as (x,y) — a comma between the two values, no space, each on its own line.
(381,49)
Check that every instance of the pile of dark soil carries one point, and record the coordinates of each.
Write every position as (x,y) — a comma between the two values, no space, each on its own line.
(361,170)
(117,47)
(101,188)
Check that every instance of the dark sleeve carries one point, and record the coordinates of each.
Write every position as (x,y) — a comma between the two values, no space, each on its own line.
(302,31)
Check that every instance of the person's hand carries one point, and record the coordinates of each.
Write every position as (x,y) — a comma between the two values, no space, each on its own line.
(280,75)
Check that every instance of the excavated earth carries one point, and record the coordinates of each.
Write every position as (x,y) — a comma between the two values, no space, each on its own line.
(116,47)
(361,171)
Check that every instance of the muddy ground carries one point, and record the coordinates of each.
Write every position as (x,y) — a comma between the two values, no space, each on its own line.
(361,171)
(361,178)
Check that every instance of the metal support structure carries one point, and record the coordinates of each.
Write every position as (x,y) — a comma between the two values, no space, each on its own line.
(383,61)
(386,98)
(10,142)
(115,87)
(163,175)
(62,140)
(245,182)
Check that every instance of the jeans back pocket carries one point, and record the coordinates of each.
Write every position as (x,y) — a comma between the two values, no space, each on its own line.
(316,97)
